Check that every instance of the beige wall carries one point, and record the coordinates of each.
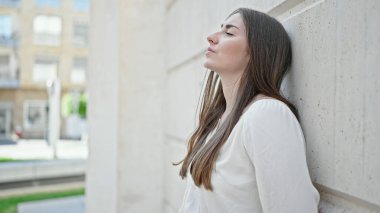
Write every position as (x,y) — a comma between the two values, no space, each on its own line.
(154,76)
(65,52)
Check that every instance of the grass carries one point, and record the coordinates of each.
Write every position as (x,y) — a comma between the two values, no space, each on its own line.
(5,160)
(2,160)
(9,205)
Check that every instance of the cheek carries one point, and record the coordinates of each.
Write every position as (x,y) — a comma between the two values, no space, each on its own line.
(235,52)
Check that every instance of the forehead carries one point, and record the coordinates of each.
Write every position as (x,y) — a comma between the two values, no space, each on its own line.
(236,20)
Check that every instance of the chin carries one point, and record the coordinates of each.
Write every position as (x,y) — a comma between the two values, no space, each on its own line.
(207,65)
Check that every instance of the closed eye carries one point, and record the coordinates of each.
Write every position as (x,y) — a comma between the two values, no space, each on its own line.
(230,34)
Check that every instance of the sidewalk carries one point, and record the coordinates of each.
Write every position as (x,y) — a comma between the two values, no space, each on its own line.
(39,149)
(73,204)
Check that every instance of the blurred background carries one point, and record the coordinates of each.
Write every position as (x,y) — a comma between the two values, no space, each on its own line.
(98,98)
(43,99)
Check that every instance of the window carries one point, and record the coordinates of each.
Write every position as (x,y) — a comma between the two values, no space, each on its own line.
(8,70)
(80,34)
(5,29)
(5,119)
(5,70)
(78,72)
(10,3)
(83,5)
(47,30)
(9,73)
(35,115)
(45,68)
(48,3)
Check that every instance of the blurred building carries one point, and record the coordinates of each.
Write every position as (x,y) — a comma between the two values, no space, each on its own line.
(41,40)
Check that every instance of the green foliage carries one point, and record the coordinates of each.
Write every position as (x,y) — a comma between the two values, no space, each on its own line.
(67,105)
(68,108)
(82,108)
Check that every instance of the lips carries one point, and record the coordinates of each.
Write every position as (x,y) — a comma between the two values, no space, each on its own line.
(211,50)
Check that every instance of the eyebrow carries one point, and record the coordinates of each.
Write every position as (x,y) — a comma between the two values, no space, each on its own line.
(229,26)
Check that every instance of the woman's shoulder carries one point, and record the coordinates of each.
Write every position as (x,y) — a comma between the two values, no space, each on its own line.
(264,103)
(267,109)
(269,121)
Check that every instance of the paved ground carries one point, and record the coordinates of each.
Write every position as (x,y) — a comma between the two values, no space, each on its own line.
(39,149)
(73,204)
(7,142)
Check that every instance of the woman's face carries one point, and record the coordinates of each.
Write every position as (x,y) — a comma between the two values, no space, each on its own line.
(228,51)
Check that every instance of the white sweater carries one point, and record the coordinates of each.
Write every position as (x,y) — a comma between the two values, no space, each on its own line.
(262,167)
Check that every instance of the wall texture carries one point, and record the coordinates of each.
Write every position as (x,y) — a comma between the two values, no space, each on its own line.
(125,166)
(147,61)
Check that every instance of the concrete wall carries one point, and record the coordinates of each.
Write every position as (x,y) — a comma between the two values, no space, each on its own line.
(125,107)
(334,82)
(151,69)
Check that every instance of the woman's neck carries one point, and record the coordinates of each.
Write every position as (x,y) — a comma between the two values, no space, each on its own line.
(230,85)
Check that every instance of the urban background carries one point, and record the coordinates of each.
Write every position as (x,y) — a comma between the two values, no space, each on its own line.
(43,101)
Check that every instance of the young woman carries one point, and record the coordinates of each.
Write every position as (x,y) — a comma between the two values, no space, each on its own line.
(248,153)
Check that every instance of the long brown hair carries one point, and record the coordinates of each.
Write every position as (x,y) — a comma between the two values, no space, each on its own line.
(270,58)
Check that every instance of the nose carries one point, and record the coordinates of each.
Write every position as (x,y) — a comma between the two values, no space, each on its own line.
(212,39)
